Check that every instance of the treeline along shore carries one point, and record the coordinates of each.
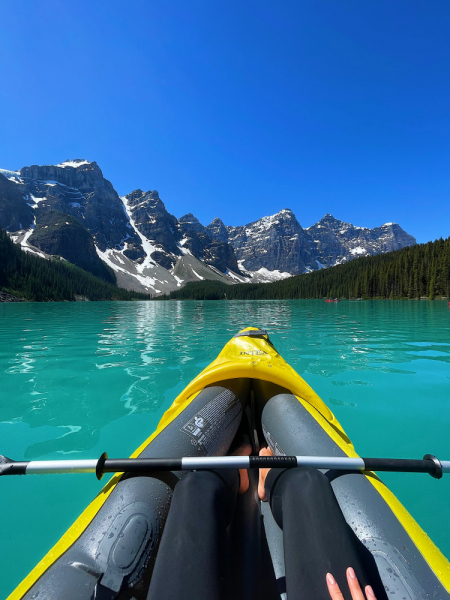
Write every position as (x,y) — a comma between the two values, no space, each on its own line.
(420,271)
(27,277)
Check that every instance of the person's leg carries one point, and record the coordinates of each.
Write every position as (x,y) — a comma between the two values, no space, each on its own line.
(193,556)
(317,539)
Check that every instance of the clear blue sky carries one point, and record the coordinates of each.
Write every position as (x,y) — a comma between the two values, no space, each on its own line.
(240,108)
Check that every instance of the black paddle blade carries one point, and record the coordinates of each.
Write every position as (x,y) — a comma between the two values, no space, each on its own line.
(12,467)
(5,464)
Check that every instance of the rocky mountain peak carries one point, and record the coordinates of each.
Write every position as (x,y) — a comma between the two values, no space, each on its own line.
(285,213)
(190,223)
(152,220)
(329,221)
(217,222)
(79,174)
(171,238)
(275,243)
(135,195)
(338,241)
(217,230)
(76,188)
(283,216)
(148,201)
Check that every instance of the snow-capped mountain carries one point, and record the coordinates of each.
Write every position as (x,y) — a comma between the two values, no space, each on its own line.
(70,210)
(274,243)
(337,242)
(279,242)
(66,210)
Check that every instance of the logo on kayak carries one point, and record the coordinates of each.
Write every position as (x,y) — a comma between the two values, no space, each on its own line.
(196,426)
(213,422)
(254,353)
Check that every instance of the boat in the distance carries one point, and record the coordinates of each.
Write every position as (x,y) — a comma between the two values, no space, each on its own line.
(110,550)
(332,300)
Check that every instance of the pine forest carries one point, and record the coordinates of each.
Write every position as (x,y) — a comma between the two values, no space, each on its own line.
(37,279)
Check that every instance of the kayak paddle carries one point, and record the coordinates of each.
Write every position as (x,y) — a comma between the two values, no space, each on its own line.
(429,464)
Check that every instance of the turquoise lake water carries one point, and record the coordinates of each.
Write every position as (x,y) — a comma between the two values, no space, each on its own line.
(78,379)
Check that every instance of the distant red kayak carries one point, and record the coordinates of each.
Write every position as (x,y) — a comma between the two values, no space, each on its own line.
(335,300)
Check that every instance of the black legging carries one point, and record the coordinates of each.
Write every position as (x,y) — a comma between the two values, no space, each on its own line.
(317,539)
(193,560)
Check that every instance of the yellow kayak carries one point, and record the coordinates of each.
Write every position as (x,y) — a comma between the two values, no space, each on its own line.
(114,542)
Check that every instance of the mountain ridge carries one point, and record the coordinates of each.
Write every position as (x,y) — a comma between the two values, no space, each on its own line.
(152,251)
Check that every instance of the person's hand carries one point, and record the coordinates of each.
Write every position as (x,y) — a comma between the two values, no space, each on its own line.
(353,584)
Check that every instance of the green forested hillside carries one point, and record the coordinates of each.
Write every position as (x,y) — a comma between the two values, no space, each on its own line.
(37,279)
(418,271)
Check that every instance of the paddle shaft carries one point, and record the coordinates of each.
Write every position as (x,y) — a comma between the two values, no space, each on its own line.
(429,464)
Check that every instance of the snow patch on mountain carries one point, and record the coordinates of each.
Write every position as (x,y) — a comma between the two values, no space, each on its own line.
(110,257)
(77,162)
(148,247)
(263,275)
(236,277)
(35,200)
(358,250)
(13,176)
(24,241)
(197,275)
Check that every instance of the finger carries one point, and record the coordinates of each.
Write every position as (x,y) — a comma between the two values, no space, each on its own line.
(370,593)
(333,588)
(353,584)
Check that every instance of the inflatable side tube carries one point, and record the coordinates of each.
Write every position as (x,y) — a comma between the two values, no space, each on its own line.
(116,550)
(291,429)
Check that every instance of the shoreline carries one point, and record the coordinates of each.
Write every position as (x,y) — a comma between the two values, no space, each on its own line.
(6,297)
